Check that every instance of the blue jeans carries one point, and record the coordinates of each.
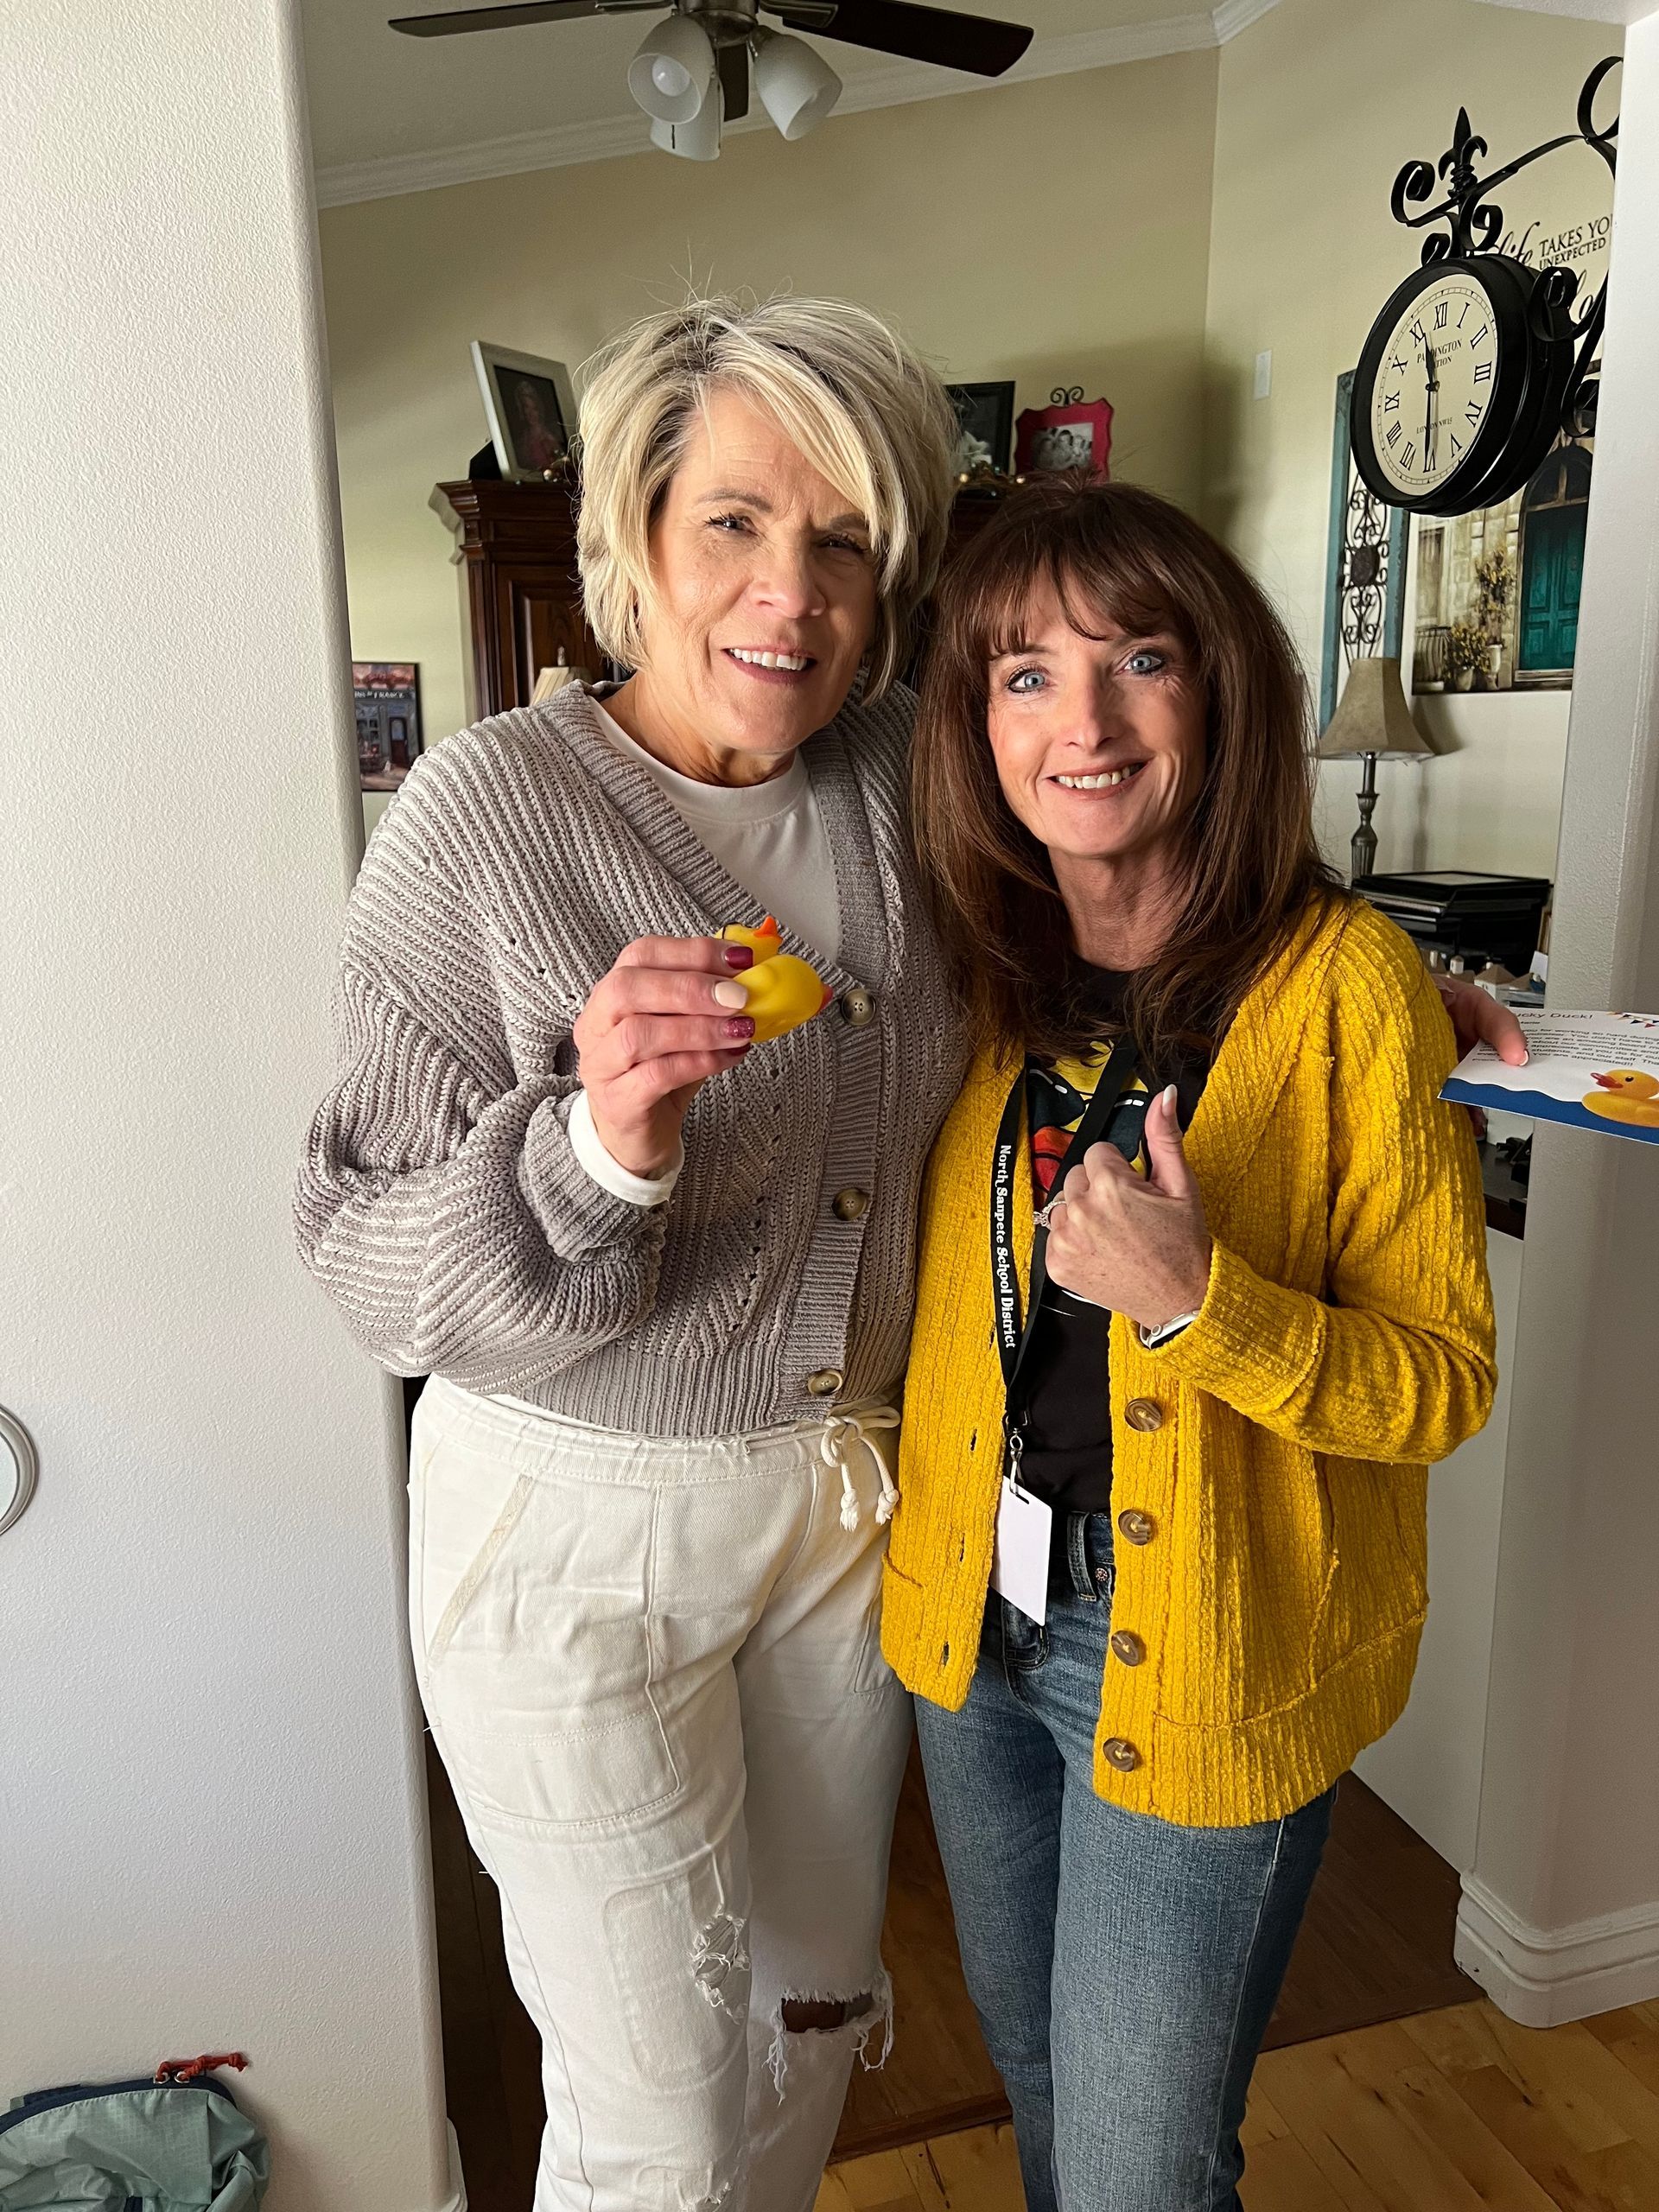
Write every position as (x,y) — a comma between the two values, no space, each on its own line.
(1124,1969)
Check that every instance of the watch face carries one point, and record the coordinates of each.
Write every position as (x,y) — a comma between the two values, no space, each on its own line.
(1434,383)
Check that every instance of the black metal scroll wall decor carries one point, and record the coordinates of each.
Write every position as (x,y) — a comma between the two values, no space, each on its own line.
(1476,363)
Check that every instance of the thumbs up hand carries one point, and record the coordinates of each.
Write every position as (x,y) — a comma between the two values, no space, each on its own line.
(1136,1244)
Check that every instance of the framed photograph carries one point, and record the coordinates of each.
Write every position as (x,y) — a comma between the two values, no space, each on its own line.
(985,414)
(1070,432)
(532,411)
(1365,566)
(388,700)
(1497,591)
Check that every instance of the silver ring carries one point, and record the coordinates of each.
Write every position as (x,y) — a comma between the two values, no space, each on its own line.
(1045,1216)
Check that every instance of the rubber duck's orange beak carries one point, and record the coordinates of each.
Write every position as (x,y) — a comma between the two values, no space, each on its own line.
(824,1001)
(1608,1082)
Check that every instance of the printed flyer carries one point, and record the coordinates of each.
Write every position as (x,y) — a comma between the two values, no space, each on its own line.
(1593,1071)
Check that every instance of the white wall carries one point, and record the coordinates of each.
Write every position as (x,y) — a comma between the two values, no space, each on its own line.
(214,1832)
(1428,1765)
(1561,1916)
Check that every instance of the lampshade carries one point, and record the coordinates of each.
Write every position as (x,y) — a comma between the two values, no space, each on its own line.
(1372,716)
(798,87)
(670,74)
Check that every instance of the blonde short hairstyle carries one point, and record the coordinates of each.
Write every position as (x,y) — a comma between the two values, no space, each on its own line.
(866,412)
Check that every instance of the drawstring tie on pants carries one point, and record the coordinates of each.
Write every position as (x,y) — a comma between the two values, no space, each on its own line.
(841,1430)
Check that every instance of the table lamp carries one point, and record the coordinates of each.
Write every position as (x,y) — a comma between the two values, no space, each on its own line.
(1372,722)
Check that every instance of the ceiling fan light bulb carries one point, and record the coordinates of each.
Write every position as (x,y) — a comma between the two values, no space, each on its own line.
(695,140)
(798,87)
(670,74)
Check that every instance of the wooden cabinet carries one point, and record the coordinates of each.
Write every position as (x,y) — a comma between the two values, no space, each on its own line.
(515,549)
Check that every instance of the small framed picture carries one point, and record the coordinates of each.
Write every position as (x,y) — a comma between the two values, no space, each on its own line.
(532,411)
(985,413)
(388,699)
(1070,432)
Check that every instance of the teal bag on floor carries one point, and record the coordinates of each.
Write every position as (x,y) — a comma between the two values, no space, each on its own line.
(161,2144)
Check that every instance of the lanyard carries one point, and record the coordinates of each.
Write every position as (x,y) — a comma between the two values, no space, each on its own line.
(1014,1335)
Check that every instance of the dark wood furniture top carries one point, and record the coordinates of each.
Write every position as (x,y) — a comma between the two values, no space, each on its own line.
(516,547)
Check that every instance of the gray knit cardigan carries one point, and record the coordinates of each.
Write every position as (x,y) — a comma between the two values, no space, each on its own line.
(440,1202)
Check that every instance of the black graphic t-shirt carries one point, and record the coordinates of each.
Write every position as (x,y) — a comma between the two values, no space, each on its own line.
(1068,1455)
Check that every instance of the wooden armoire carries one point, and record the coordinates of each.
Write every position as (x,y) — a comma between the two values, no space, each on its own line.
(515,549)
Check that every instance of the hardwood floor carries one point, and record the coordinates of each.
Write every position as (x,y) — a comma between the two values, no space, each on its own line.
(1452,2111)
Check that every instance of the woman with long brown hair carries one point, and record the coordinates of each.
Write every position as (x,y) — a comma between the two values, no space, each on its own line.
(1157,1573)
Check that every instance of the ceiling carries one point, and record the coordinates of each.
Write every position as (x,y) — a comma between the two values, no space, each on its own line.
(392,114)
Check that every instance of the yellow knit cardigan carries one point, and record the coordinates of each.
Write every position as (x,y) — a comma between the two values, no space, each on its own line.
(1269,1476)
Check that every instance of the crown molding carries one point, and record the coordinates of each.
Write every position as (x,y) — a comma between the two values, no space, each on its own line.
(1233,16)
(563,145)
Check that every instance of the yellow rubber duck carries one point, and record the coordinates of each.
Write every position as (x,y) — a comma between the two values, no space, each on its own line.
(1626,1095)
(784,992)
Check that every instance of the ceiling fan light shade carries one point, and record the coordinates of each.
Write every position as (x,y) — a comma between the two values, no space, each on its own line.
(798,87)
(696,141)
(670,74)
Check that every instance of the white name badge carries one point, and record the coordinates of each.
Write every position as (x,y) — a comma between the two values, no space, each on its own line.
(1019,1560)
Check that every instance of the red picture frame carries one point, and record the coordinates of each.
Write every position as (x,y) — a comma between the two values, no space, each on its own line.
(1070,432)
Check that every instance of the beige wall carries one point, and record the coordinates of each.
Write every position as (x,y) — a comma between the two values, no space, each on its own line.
(1049,231)
(1319,104)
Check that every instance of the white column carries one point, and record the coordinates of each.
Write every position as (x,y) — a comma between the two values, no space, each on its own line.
(214,1834)
(1561,1914)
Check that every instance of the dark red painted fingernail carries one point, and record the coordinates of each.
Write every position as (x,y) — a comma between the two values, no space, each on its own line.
(737,956)
(740,1027)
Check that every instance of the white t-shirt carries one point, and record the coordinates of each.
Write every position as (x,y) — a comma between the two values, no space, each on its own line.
(769,837)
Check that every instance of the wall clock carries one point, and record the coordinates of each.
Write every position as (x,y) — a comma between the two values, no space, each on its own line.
(1477,362)
(1460,387)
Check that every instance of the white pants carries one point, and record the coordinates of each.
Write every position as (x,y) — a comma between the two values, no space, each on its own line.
(653,1670)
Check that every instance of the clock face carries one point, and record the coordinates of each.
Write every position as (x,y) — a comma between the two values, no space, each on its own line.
(1435,385)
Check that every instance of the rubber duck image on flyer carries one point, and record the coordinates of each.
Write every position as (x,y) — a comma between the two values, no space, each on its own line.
(1626,1095)
(784,992)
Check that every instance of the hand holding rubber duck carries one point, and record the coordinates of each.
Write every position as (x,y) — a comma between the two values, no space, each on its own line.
(783,991)
(672,1011)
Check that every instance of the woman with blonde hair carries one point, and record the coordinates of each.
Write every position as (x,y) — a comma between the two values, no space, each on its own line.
(662,1278)
(1158,1572)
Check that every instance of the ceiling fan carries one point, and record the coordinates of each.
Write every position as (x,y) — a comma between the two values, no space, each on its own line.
(691,71)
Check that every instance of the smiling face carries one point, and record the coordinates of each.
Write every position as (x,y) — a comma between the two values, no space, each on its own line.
(1099,742)
(765,601)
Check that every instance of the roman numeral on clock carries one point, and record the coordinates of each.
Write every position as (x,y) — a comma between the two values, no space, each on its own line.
(1409,458)
(1390,403)
(1482,372)
(1472,413)
(1442,312)
(1393,434)
(1480,336)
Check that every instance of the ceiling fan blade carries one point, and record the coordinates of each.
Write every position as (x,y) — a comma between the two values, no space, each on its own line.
(977,43)
(733,62)
(494,19)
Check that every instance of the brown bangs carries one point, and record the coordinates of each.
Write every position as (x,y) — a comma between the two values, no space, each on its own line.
(1121,561)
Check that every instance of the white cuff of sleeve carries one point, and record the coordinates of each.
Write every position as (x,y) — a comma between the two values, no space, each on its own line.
(610,1174)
